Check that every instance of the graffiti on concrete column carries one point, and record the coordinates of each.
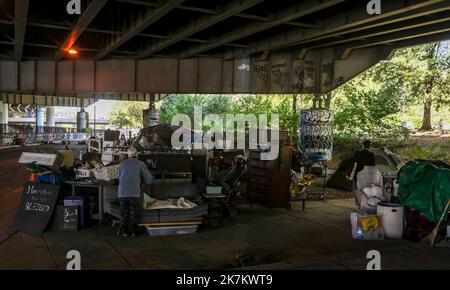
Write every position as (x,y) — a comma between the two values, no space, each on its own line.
(327,76)
(262,71)
(316,133)
(339,81)
(244,67)
(298,78)
(280,76)
(310,76)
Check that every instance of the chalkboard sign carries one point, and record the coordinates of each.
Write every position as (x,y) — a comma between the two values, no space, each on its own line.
(70,218)
(36,207)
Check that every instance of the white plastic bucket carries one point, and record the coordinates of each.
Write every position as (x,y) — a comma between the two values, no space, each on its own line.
(392,219)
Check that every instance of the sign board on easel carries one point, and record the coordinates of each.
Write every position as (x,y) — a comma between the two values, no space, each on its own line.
(36,207)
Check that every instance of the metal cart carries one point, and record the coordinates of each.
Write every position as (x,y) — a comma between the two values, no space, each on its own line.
(321,172)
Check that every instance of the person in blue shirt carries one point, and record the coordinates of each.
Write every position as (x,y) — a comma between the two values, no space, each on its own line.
(131,172)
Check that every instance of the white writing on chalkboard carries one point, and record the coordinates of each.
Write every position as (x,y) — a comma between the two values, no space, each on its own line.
(34,206)
(31,189)
(68,214)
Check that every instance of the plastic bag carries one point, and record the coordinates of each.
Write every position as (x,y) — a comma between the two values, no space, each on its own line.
(373,190)
(366,227)
(369,197)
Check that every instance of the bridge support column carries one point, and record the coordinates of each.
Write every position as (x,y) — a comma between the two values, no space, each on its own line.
(50,117)
(39,119)
(82,121)
(4,113)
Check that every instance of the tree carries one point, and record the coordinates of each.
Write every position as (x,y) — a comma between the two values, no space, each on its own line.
(221,105)
(128,114)
(371,103)
(434,80)
(418,74)
(364,107)
(120,119)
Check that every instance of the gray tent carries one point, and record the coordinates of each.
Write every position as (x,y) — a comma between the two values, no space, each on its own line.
(385,161)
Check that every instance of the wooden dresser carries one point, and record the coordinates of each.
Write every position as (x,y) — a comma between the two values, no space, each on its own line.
(268,181)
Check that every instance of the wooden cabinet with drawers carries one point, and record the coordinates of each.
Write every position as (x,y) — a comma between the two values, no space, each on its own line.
(268,180)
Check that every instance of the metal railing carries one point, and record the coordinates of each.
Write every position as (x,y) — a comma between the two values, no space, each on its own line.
(8,133)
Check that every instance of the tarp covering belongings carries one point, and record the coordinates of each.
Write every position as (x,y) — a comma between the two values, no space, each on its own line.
(424,187)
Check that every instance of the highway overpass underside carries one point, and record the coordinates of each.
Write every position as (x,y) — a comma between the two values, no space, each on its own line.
(130,50)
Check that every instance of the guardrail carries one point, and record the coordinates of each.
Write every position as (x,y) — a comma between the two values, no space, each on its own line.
(8,133)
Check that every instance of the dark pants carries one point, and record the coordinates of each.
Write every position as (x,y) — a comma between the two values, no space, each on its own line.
(354,190)
(129,210)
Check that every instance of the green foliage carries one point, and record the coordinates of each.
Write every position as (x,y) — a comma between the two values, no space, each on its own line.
(225,104)
(375,102)
(409,72)
(184,104)
(364,109)
(128,115)
(436,151)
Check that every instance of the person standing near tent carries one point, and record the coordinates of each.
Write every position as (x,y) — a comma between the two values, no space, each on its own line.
(361,159)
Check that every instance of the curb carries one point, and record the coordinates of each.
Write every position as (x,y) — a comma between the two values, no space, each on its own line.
(18,146)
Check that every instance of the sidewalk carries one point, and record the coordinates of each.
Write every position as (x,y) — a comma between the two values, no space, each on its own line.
(17,146)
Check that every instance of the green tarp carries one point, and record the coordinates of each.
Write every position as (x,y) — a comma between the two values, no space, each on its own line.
(424,187)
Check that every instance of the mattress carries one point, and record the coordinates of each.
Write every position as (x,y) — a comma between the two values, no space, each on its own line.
(163,215)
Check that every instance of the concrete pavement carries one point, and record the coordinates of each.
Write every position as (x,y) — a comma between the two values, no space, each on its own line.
(318,238)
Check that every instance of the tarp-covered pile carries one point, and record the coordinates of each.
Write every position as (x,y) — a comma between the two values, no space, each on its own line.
(424,187)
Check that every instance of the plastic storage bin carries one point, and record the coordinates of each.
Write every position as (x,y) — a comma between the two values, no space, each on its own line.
(213,190)
(392,219)
(80,202)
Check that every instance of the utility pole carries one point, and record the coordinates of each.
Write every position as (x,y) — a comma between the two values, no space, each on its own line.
(95,119)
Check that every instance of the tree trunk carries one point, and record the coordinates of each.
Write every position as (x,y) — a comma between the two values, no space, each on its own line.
(294,103)
(427,98)
(328,101)
(427,102)
(426,121)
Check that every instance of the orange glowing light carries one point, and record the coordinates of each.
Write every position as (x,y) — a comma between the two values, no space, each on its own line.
(73,51)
